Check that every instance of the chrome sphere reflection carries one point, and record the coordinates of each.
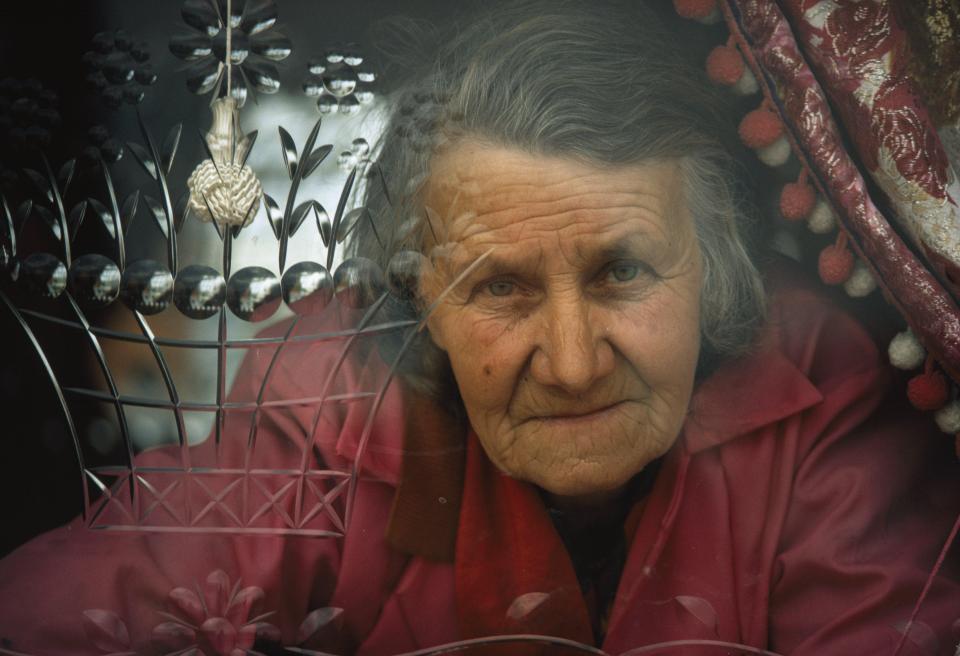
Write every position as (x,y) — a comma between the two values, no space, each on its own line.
(253,293)
(146,287)
(199,291)
(94,279)
(307,288)
(43,274)
(358,282)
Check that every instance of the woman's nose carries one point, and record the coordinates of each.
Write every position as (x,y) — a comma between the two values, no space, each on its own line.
(573,351)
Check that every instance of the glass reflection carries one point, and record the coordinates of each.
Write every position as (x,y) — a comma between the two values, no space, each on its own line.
(146,287)
(253,294)
(199,291)
(307,288)
(95,279)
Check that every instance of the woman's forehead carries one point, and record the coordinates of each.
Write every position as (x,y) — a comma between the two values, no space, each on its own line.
(477,188)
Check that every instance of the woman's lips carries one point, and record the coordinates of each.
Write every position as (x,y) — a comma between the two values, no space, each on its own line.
(569,418)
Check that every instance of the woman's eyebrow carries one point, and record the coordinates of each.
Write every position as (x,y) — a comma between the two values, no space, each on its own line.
(500,263)
(634,244)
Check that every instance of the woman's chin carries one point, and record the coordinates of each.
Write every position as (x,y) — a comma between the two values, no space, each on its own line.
(590,484)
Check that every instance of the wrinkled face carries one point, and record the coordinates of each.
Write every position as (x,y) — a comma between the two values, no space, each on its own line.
(574,342)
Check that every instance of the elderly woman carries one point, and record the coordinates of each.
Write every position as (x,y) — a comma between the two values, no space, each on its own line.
(613,431)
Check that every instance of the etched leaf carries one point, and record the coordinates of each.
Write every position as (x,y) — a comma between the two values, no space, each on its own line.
(77,215)
(10,233)
(289,151)
(156,209)
(50,220)
(106,630)
(701,609)
(65,175)
(245,147)
(106,217)
(921,635)
(318,620)
(172,634)
(206,149)
(216,592)
(325,230)
(316,157)
(525,604)
(129,210)
(300,213)
(143,158)
(169,149)
(181,211)
(274,215)
(350,221)
(24,210)
(240,606)
(188,603)
(40,183)
(266,631)
(376,170)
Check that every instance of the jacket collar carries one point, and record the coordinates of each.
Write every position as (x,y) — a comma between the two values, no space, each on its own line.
(426,507)
(745,395)
(740,397)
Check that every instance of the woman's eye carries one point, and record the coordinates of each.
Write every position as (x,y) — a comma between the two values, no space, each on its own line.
(501,288)
(624,272)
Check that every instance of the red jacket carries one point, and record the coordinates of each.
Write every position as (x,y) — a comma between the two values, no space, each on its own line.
(800,511)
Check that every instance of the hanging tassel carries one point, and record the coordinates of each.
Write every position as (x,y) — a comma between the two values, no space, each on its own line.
(822,220)
(861,281)
(797,198)
(929,390)
(704,11)
(762,130)
(906,352)
(836,261)
(948,417)
(726,67)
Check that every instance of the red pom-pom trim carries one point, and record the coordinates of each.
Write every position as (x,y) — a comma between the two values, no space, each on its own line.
(836,262)
(797,200)
(928,391)
(760,128)
(724,65)
(694,8)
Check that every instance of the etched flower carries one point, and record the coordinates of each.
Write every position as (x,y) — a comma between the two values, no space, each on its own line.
(28,114)
(102,145)
(119,68)
(216,620)
(28,119)
(253,46)
(338,82)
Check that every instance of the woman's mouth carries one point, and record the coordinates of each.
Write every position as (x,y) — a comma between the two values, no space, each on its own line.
(567,417)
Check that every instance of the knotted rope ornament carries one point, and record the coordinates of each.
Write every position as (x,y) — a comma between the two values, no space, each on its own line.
(226,193)
(224,189)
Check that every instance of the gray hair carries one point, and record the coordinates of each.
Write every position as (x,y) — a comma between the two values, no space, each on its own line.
(603,85)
